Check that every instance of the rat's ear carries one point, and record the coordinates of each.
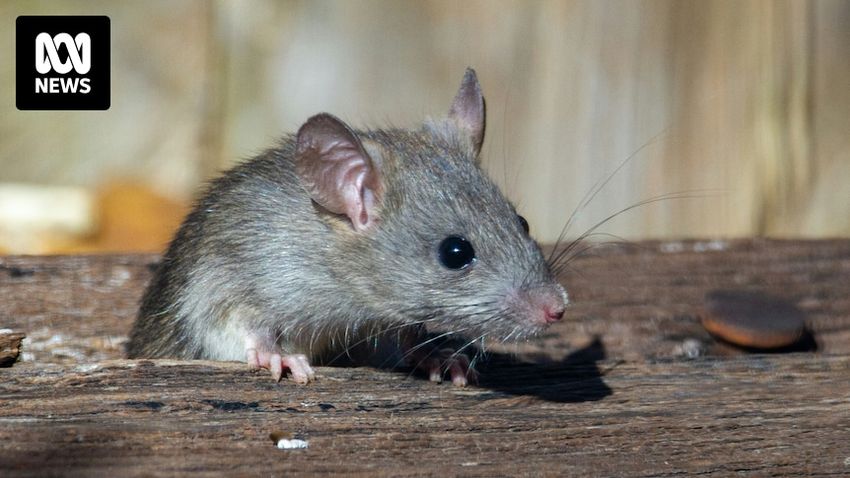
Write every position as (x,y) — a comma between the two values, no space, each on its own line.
(468,110)
(336,171)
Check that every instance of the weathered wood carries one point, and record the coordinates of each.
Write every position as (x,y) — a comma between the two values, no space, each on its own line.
(10,347)
(640,300)
(609,391)
(72,308)
(644,300)
(762,415)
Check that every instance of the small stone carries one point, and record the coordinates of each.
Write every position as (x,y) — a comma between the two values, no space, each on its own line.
(751,319)
(689,348)
(292,444)
(282,442)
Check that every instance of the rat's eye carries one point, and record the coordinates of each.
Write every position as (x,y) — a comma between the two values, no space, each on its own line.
(456,252)
(523,223)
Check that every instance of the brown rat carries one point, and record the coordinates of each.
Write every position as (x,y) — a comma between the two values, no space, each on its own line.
(340,236)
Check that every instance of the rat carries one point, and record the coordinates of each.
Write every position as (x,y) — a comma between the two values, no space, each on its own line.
(340,237)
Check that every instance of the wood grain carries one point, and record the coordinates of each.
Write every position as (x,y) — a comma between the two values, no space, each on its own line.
(758,415)
(629,385)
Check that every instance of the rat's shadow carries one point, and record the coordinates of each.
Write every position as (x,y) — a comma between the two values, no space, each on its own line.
(577,378)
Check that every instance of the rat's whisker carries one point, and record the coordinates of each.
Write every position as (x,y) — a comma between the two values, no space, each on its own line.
(377,334)
(600,185)
(690,194)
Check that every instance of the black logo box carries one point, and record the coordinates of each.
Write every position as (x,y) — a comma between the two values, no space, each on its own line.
(27,28)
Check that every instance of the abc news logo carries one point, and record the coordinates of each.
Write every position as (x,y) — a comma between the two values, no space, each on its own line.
(47,59)
(62,63)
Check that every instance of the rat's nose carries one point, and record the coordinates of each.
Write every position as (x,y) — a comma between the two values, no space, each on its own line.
(544,305)
(553,314)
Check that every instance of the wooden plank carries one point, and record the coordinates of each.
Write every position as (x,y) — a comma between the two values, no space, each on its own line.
(644,299)
(634,301)
(610,391)
(72,308)
(784,415)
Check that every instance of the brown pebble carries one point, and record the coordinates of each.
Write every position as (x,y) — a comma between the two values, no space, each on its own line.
(751,319)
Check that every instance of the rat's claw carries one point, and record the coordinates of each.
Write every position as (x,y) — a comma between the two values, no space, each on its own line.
(447,361)
(260,354)
(435,371)
(300,368)
(460,371)
(253,359)
(276,367)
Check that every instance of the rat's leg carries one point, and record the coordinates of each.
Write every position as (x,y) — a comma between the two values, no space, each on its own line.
(265,353)
(436,362)
(447,360)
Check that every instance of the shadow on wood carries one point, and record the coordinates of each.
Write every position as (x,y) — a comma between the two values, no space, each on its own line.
(577,378)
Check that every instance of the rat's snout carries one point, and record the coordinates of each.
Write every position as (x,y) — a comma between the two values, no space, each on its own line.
(548,304)
(543,305)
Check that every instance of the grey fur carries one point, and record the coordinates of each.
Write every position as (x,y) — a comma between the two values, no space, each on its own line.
(258,255)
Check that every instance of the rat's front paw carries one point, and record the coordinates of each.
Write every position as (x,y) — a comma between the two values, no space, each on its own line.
(275,362)
(447,361)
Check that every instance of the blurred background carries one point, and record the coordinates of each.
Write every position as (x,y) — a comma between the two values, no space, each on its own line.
(739,110)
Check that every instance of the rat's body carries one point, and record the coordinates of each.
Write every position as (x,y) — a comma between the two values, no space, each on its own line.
(339,236)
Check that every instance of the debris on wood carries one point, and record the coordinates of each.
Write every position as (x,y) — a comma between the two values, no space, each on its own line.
(10,347)
(285,441)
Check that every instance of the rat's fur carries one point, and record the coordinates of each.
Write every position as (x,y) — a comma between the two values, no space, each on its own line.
(258,255)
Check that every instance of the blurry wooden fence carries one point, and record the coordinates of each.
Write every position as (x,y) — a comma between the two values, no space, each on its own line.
(743,106)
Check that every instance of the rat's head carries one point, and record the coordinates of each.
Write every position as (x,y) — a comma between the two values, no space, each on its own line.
(427,236)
